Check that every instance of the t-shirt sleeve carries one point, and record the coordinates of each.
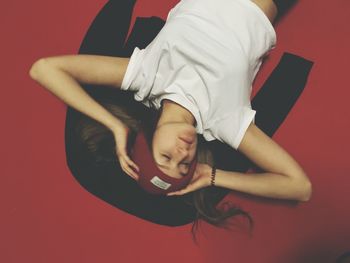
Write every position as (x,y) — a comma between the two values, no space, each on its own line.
(172,11)
(231,128)
(133,71)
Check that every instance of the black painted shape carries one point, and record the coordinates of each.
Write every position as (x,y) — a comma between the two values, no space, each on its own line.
(143,33)
(108,31)
(109,182)
(283,6)
(106,36)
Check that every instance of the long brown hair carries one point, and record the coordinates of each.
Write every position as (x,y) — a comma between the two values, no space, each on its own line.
(100,144)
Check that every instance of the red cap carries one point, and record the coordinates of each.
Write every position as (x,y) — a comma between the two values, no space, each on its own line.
(151,178)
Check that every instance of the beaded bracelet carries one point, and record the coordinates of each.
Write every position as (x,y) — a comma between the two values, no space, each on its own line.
(213,173)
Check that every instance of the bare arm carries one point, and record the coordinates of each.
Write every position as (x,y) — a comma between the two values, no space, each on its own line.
(62,75)
(284,179)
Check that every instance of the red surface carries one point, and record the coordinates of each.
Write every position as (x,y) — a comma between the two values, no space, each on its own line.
(47,216)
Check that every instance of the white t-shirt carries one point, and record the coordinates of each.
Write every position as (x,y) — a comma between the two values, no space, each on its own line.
(205,58)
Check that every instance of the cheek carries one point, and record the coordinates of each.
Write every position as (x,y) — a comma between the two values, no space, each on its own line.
(193,154)
(155,143)
(194,150)
(161,142)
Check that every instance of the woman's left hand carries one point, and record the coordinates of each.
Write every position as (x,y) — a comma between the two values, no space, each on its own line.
(200,179)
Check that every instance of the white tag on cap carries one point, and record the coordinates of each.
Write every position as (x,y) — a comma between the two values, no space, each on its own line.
(160,183)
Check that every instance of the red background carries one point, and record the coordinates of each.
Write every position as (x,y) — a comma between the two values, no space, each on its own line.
(47,216)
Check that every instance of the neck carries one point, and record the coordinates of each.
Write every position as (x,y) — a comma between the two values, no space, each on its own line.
(173,112)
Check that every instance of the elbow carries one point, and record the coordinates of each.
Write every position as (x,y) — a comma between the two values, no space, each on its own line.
(305,190)
(37,68)
(300,186)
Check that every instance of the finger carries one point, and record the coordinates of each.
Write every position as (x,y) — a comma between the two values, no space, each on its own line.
(136,177)
(131,175)
(181,192)
(189,188)
(128,170)
(131,172)
(122,154)
(170,194)
(128,173)
(131,163)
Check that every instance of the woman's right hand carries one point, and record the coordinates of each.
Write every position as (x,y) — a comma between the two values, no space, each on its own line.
(121,132)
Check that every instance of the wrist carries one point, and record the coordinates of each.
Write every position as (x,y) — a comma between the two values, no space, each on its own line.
(222,177)
(116,126)
(212,176)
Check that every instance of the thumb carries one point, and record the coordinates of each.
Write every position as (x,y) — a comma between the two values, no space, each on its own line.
(185,190)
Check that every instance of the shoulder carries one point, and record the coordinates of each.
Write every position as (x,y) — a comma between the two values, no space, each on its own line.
(268,7)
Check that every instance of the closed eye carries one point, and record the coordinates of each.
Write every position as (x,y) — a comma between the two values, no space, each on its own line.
(183,164)
(166,156)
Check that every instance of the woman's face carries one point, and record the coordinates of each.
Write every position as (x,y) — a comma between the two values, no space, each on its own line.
(174,147)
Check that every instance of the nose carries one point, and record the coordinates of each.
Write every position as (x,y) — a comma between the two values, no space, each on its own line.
(182,152)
